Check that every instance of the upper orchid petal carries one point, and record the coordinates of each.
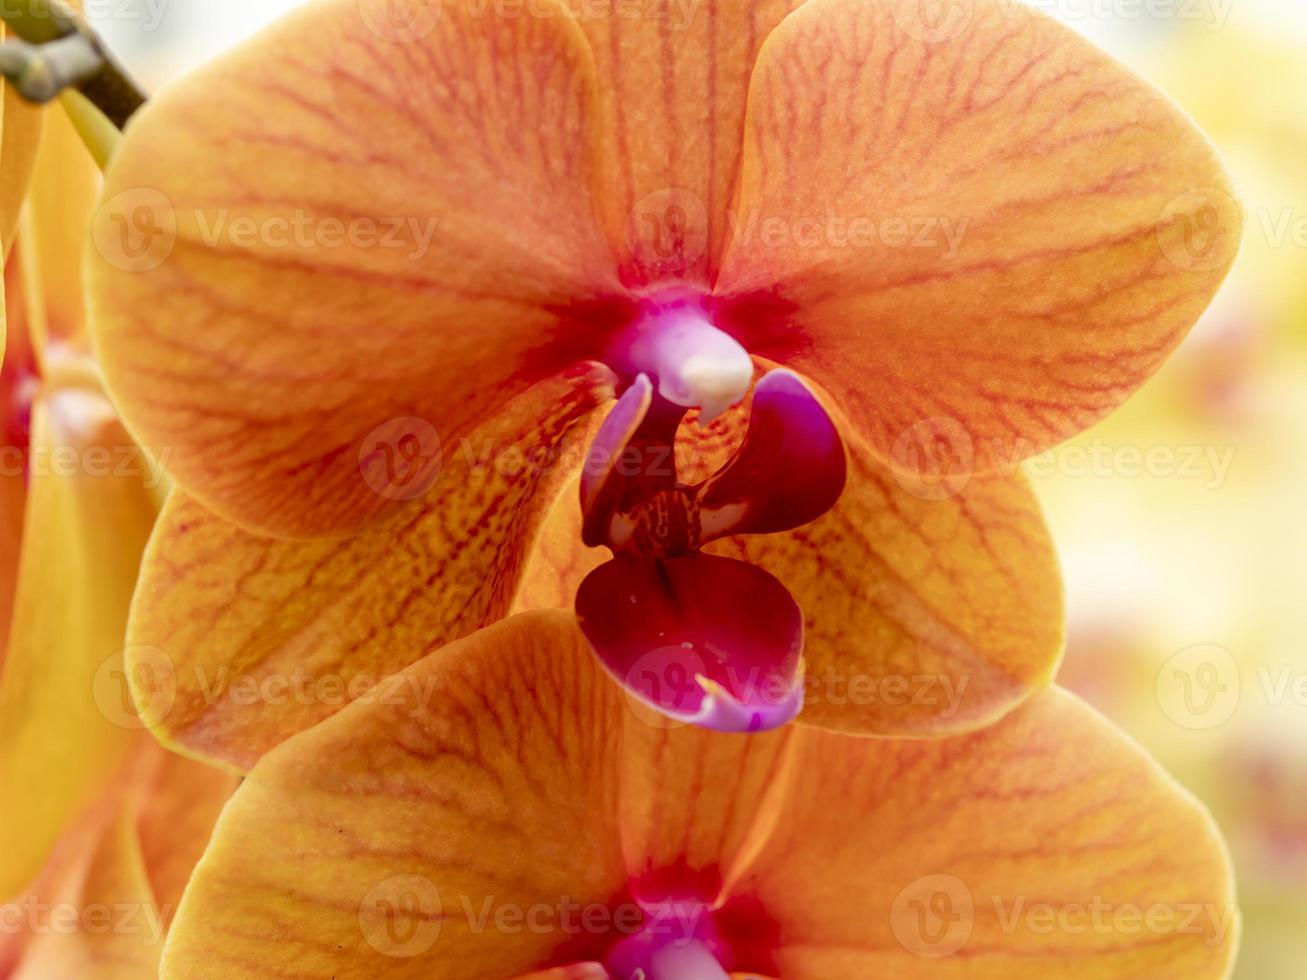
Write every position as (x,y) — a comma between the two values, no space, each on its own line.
(976,217)
(362,229)
(238,641)
(506,777)
(673,82)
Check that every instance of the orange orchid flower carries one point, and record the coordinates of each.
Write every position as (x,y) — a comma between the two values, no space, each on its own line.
(101,826)
(372,279)
(502,812)
(20,134)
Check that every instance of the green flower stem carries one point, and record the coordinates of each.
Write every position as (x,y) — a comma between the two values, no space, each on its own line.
(56,49)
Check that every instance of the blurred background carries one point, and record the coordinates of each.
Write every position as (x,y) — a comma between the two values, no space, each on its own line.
(1180,519)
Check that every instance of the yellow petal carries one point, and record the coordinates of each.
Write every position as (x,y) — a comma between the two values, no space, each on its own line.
(238,641)
(63,722)
(487,748)
(20,133)
(54,226)
(1045,845)
(929,609)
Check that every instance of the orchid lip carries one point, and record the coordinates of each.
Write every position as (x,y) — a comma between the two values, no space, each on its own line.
(703,640)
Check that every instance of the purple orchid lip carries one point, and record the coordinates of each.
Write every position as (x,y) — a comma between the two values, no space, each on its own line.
(704,640)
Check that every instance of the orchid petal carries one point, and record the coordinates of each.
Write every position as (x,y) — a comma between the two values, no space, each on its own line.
(789,470)
(238,640)
(521,759)
(20,134)
(364,228)
(925,613)
(672,88)
(60,200)
(985,221)
(124,859)
(528,783)
(63,724)
(601,486)
(1050,816)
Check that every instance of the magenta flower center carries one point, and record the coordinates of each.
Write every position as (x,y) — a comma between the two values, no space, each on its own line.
(701,638)
(678,941)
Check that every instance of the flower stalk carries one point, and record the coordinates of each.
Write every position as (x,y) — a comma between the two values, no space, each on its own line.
(57,50)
